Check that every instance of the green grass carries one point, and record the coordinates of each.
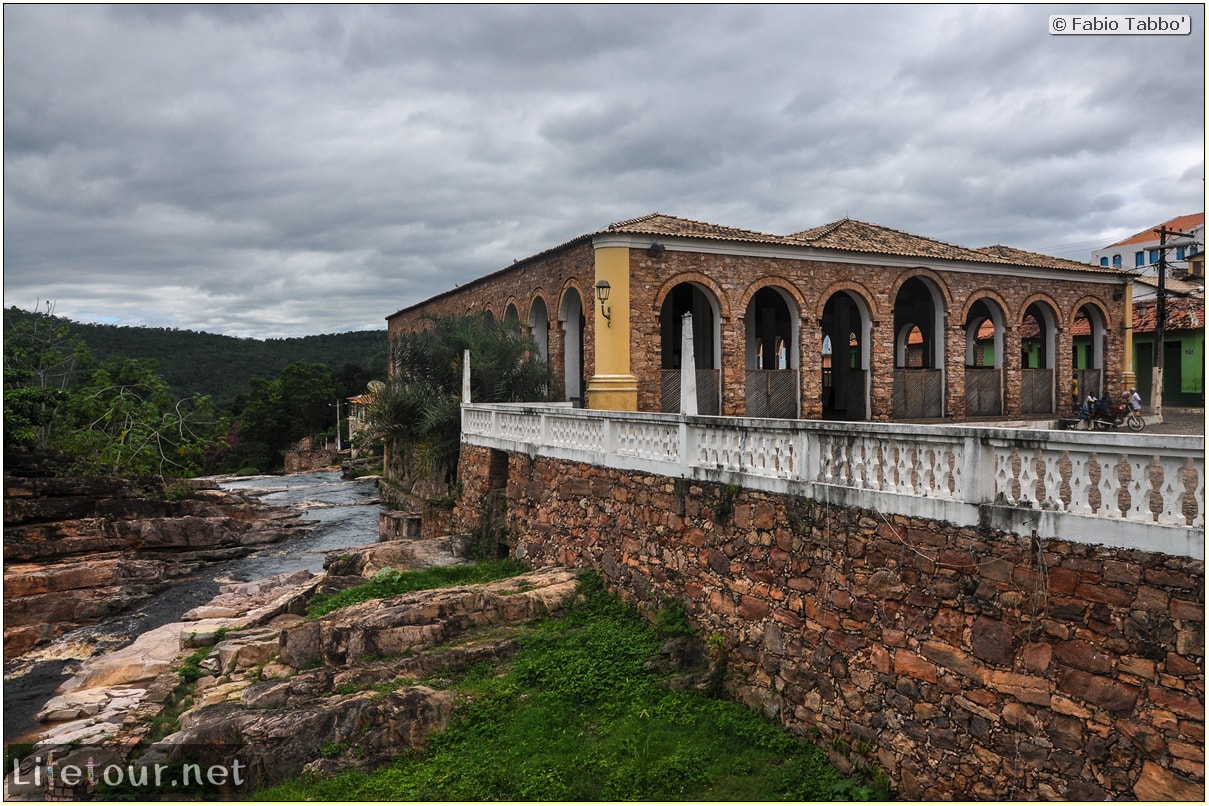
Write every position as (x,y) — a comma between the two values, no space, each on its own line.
(389,582)
(579,716)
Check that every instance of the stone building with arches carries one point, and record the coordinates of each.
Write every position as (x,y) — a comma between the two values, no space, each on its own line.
(847,321)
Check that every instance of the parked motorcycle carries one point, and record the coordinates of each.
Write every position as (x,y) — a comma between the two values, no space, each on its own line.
(1100,414)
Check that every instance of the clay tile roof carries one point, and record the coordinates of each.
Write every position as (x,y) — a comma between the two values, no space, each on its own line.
(660,224)
(1022,257)
(1183,223)
(1174,285)
(1183,313)
(851,235)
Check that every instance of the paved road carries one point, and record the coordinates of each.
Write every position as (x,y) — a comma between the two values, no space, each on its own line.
(1178,421)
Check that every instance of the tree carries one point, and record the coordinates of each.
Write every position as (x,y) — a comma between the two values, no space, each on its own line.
(42,360)
(418,411)
(124,422)
(297,403)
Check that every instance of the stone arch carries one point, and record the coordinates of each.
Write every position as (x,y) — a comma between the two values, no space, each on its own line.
(846,324)
(1043,298)
(689,296)
(981,294)
(571,319)
(935,280)
(704,281)
(921,305)
(512,317)
(785,286)
(855,290)
(772,323)
(539,324)
(1088,325)
(1092,303)
(1038,328)
(985,325)
(982,306)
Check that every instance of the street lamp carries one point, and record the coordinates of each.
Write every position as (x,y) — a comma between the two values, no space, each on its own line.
(602,294)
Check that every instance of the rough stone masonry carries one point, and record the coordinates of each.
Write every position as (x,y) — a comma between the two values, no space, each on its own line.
(964,663)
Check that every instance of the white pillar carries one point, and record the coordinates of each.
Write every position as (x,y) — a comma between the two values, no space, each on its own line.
(688,367)
(466,376)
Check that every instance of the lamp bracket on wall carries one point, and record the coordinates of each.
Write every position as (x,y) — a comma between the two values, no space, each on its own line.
(602,294)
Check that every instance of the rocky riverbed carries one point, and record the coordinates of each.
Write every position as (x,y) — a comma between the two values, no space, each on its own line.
(317,512)
(188,620)
(79,551)
(277,694)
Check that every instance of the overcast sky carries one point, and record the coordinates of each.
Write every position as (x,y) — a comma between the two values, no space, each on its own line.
(294,170)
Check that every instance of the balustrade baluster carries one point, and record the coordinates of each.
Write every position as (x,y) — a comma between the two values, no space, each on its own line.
(1055,472)
(1108,485)
(1080,483)
(1172,491)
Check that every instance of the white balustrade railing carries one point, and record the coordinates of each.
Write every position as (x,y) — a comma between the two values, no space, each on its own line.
(1120,489)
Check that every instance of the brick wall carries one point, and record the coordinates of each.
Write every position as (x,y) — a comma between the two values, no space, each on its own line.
(968,663)
(733,279)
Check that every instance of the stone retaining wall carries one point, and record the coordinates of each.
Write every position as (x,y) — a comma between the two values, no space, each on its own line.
(305,461)
(965,663)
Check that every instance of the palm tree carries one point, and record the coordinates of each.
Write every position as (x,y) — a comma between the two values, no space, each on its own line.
(417,413)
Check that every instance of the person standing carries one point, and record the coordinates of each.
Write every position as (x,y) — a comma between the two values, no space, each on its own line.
(1074,390)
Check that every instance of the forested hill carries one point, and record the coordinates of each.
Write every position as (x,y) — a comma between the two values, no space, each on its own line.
(220,366)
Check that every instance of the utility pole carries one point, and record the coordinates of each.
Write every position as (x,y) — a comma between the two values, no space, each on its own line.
(1160,319)
(337,405)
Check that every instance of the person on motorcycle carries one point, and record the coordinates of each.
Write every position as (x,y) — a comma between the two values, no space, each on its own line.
(1089,404)
(1135,401)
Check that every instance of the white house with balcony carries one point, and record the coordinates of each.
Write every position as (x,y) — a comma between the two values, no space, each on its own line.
(1140,252)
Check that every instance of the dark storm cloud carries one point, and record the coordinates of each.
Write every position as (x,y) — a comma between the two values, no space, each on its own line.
(284,170)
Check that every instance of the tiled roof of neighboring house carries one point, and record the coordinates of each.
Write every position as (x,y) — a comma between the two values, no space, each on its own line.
(1022,257)
(1183,223)
(1173,285)
(1183,313)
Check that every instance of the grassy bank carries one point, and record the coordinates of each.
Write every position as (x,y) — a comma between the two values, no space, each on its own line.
(580,715)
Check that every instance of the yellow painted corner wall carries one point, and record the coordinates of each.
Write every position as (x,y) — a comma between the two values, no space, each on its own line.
(613,387)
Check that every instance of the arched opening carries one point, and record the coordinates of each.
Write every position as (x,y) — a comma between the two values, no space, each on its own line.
(1037,358)
(845,358)
(1088,343)
(984,327)
(571,316)
(512,319)
(539,326)
(488,319)
(918,350)
(771,326)
(690,298)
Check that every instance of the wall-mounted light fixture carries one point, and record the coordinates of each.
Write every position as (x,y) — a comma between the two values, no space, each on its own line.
(602,294)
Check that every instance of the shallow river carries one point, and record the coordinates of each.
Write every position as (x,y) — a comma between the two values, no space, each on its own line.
(345,514)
